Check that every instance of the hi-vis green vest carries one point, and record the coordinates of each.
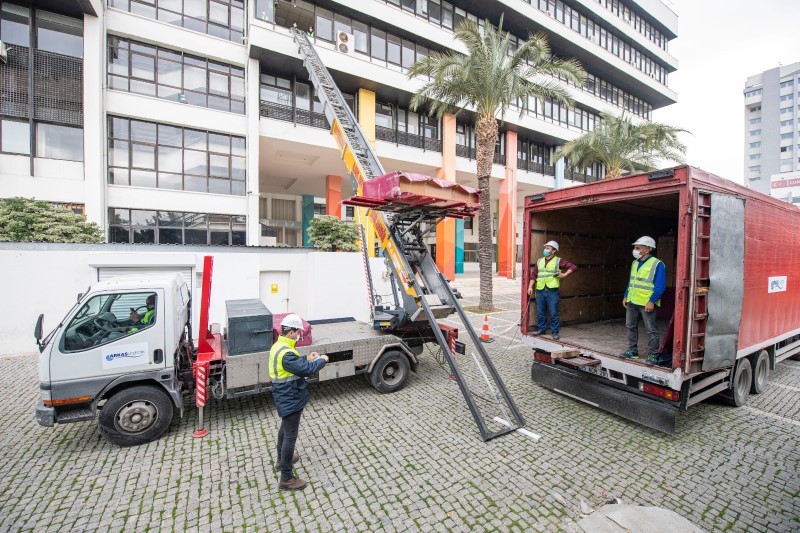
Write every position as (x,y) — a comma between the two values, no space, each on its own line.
(282,346)
(546,275)
(641,286)
(146,319)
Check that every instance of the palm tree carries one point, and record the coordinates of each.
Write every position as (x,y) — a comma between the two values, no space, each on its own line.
(489,79)
(622,146)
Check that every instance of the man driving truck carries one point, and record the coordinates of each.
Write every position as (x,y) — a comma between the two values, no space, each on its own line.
(142,321)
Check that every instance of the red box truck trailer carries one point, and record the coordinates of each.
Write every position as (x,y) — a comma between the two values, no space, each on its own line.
(730,312)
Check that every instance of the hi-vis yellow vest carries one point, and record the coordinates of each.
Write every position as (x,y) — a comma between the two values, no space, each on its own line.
(641,286)
(546,275)
(277,374)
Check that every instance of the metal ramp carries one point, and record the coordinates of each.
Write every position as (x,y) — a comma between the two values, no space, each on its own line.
(425,294)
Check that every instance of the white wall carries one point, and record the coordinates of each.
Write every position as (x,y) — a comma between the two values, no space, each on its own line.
(46,278)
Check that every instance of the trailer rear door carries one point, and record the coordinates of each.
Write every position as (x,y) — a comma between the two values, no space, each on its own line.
(717,281)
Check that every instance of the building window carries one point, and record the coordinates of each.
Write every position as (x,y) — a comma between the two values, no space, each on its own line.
(756,168)
(786,123)
(755,133)
(787,83)
(52,61)
(172,227)
(756,120)
(59,142)
(15,137)
(755,108)
(218,18)
(146,154)
(752,92)
(786,149)
(787,97)
(787,135)
(786,110)
(755,156)
(162,73)
(756,144)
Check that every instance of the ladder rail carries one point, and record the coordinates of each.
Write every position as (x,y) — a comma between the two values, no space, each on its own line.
(412,266)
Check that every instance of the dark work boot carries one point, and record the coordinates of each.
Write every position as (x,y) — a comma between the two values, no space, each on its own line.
(292,484)
(295,458)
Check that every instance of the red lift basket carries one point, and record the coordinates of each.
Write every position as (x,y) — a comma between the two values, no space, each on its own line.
(405,191)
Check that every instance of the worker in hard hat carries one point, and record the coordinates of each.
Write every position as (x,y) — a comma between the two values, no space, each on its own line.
(546,276)
(288,372)
(646,285)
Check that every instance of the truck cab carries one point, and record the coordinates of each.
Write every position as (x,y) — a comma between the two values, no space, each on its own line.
(117,352)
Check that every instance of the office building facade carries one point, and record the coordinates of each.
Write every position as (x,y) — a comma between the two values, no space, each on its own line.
(193,121)
(772,124)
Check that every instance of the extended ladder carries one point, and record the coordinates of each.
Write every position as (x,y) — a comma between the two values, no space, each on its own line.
(426,293)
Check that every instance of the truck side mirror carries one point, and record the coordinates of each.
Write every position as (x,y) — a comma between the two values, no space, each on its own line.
(37,331)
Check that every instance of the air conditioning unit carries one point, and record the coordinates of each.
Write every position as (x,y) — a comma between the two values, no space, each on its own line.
(3,52)
(345,43)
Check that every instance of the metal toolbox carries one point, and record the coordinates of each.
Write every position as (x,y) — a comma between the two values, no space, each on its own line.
(249,327)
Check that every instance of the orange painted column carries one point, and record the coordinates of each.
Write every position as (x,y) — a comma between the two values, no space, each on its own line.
(333,196)
(446,229)
(507,213)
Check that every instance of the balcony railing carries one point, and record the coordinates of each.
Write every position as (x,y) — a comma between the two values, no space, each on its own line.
(532,166)
(291,114)
(465,151)
(407,139)
(574,175)
(499,159)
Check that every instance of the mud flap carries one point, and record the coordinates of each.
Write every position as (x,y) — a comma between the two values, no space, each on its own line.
(590,390)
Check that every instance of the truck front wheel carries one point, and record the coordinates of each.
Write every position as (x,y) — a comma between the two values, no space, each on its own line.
(390,372)
(742,381)
(135,415)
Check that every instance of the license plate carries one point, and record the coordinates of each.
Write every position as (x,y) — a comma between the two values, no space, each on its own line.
(602,372)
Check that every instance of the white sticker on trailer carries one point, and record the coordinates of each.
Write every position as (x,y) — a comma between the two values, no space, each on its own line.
(777,284)
(124,355)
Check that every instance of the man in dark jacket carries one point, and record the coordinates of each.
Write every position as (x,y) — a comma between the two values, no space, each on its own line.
(288,372)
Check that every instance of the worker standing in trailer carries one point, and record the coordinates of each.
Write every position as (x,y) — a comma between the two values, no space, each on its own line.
(645,287)
(288,372)
(546,277)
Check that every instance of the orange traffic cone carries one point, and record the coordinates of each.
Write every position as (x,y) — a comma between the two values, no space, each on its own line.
(485,330)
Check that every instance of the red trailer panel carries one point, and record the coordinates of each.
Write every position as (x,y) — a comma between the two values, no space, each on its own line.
(733,294)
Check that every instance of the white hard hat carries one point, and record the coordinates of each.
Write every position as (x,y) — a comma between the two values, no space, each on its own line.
(292,321)
(646,241)
(554,244)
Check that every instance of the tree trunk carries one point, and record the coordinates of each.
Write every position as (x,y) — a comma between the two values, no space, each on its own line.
(486,138)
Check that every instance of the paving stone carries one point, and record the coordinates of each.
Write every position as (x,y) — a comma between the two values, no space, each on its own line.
(412,460)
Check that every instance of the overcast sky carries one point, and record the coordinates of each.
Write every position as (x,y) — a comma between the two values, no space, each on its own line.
(720,43)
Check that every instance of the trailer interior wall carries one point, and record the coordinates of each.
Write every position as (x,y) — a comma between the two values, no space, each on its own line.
(46,278)
(598,240)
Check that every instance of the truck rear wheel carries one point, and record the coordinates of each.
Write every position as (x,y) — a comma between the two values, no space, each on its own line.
(760,372)
(135,415)
(742,380)
(390,373)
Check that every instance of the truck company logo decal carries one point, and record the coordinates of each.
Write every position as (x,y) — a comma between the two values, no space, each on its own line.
(776,284)
(124,355)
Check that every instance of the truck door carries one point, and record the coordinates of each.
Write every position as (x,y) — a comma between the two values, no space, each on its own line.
(717,287)
(105,338)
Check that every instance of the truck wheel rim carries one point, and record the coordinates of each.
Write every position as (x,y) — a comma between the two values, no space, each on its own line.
(135,417)
(392,373)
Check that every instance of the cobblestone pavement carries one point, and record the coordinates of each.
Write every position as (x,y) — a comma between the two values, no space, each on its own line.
(412,460)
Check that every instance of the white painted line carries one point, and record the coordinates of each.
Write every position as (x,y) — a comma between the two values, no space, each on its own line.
(781,385)
(525,432)
(576,398)
(772,415)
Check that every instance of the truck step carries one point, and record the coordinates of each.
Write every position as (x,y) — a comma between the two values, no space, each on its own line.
(75,415)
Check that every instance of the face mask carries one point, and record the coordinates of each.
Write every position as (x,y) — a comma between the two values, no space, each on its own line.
(637,254)
(546,253)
